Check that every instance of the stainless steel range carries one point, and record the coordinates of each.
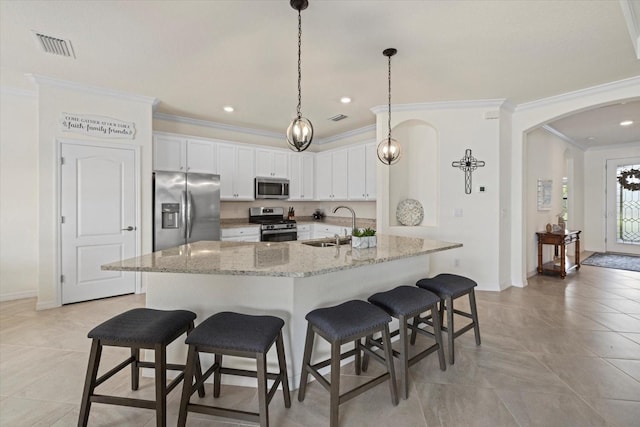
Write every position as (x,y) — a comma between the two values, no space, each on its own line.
(273,226)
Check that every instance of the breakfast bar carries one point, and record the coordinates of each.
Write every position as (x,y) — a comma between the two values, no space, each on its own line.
(284,279)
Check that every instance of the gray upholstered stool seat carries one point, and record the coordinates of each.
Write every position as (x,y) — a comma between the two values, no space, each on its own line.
(347,322)
(140,328)
(405,303)
(240,335)
(449,287)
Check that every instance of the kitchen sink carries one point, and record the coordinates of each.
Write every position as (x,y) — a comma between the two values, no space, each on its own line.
(325,243)
(319,244)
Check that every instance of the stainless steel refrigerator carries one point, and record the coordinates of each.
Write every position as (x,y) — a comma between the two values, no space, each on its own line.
(186,208)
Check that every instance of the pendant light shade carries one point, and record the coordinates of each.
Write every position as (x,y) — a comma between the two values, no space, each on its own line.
(300,131)
(389,149)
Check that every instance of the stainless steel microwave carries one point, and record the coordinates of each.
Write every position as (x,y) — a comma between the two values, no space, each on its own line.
(271,188)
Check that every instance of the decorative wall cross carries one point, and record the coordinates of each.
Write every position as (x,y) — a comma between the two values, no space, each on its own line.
(468,164)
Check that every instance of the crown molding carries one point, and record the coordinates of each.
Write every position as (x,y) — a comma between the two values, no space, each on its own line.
(253,131)
(631,12)
(96,90)
(625,145)
(347,134)
(620,84)
(563,137)
(441,105)
(7,90)
(217,125)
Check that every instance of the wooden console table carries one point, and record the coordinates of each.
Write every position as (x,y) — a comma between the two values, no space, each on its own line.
(561,240)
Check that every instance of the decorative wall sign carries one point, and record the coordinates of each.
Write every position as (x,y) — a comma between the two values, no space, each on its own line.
(544,194)
(97,126)
(468,164)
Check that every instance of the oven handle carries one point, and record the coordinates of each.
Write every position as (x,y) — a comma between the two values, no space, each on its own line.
(282,231)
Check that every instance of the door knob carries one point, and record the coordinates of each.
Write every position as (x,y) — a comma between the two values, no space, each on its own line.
(129,228)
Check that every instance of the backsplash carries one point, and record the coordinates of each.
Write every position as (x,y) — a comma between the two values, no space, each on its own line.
(240,210)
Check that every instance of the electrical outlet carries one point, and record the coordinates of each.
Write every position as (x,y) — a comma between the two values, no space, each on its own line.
(456,262)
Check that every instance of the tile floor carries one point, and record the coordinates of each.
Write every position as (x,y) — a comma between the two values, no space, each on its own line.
(556,353)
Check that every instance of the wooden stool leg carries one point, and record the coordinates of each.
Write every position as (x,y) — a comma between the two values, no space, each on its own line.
(474,315)
(217,376)
(388,356)
(334,401)
(161,384)
(437,333)
(364,364)
(450,328)
(187,384)
(283,371)
(261,373)
(89,382)
(404,357)
(135,369)
(358,357)
(306,360)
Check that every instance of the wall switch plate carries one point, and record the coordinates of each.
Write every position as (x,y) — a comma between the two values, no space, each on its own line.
(457,212)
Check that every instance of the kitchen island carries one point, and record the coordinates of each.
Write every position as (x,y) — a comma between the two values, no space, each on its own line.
(284,279)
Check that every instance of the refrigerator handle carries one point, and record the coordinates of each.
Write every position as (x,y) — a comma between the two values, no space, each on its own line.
(189,215)
(183,212)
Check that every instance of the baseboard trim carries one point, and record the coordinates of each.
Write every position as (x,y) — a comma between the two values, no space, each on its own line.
(18,295)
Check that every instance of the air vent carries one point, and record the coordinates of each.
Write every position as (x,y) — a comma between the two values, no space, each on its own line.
(338,117)
(55,45)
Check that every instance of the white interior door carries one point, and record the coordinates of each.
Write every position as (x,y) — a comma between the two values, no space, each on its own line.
(623,209)
(98,207)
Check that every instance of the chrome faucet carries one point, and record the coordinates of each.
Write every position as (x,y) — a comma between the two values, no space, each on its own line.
(337,236)
(353,216)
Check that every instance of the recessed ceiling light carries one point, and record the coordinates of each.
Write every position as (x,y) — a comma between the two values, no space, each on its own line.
(228,109)
(591,138)
(345,100)
(626,123)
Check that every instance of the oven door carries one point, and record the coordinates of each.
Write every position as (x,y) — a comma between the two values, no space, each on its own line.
(284,235)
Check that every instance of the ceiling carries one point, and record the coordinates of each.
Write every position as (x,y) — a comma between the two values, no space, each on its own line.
(198,56)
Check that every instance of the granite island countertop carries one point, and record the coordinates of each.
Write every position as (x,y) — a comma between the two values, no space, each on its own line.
(278,259)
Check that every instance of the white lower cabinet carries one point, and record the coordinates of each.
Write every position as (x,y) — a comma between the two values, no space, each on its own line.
(327,230)
(240,234)
(304,231)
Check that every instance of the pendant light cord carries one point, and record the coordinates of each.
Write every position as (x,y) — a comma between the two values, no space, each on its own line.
(299,63)
(389,118)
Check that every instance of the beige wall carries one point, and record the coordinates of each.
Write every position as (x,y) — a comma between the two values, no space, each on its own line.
(54,98)
(18,195)
(549,157)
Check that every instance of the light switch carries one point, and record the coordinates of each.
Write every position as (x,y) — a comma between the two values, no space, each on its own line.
(457,212)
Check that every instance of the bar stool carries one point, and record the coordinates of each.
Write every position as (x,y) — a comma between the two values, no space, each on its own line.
(140,328)
(405,303)
(349,321)
(241,335)
(449,287)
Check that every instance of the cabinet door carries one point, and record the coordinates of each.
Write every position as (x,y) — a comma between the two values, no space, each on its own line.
(280,164)
(243,182)
(371,157)
(357,173)
(340,175)
(201,156)
(307,174)
(324,188)
(264,162)
(169,153)
(227,155)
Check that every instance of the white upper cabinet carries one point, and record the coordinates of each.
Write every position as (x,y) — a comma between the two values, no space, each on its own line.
(301,176)
(362,172)
(332,175)
(237,167)
(179,154)
(272,163)
(169,153)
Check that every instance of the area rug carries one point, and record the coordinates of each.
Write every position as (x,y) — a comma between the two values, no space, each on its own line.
(621,262)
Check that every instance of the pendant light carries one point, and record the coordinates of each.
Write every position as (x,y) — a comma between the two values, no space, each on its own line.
(300,131)
(389,148)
